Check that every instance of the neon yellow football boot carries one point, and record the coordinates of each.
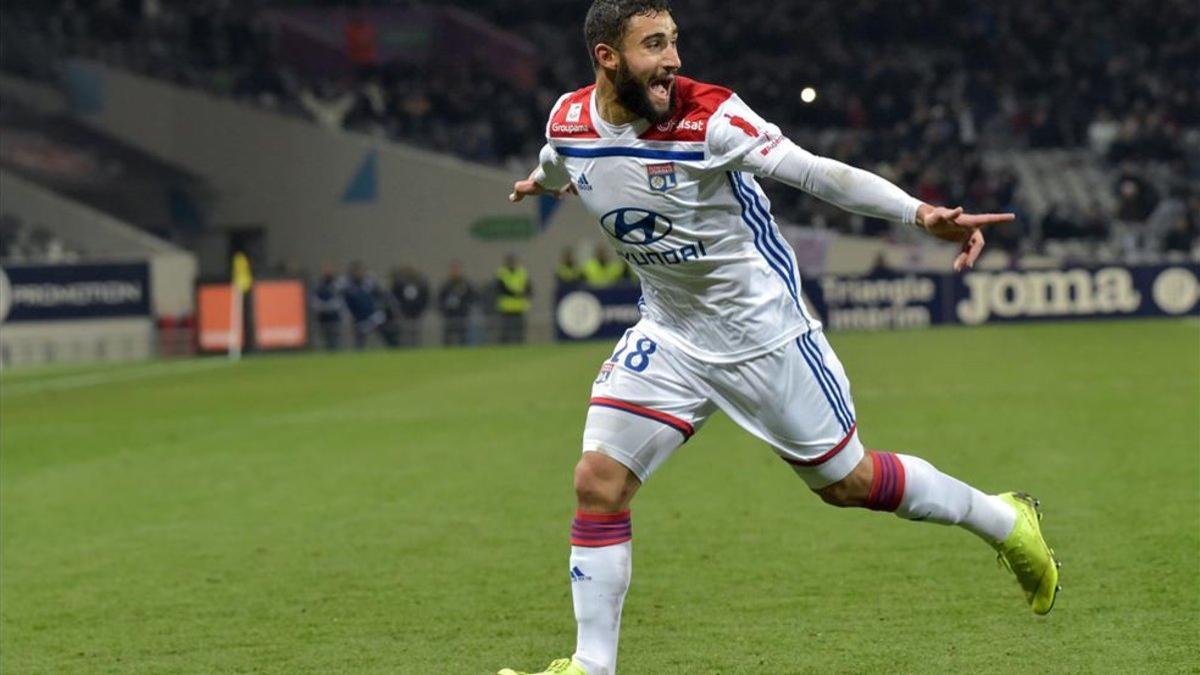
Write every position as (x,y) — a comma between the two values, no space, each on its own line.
(1026,554)
(559,667)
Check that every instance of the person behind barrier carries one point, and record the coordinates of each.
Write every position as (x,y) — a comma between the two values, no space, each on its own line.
(363,297)
(328,308)
(513,292)
(410,295)
(455,300)
(568,272)
(602,271)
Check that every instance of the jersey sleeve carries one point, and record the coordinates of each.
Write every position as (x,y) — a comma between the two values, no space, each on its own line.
(739,139)
(551,172)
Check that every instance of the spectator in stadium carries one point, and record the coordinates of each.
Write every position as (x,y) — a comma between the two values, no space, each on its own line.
(456,298)
(886,105)
(513,293)
(568,273)
(1137,197)
(362,45)
(601,270)
(328,307)
(1181,237)
(1057,225)
(327,106)
(410,295)
(363,296)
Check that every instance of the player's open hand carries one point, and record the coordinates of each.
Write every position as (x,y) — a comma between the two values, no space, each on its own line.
(530,188)
(954,225)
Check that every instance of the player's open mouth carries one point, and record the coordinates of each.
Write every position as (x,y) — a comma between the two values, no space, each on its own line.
(660,89)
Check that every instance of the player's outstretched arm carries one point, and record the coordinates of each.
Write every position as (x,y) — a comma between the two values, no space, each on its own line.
(549,178)
(865,193)
(530,187)
(955,225)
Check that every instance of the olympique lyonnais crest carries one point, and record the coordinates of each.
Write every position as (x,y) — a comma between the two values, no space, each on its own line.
(605,373)
(661,176)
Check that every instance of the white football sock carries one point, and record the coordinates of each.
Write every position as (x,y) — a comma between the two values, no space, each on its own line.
(936,497)
(601,564)
(599,580)
(914,489)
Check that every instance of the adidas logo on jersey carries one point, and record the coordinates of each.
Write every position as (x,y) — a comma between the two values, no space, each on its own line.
(582,183)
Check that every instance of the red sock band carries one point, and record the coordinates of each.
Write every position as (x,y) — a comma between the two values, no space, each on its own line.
(601,529)
(887,485)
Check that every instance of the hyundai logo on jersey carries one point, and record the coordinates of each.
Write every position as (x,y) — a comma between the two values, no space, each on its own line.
(661,176)
(636,226)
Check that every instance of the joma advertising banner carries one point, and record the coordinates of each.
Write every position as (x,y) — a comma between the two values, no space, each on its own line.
(66,292)
(890,300)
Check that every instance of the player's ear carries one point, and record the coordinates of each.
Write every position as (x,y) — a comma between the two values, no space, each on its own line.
(606,56)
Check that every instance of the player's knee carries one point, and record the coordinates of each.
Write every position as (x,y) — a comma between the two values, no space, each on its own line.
(602,483)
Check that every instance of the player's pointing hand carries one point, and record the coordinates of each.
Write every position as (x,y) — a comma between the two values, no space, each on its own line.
(955,225)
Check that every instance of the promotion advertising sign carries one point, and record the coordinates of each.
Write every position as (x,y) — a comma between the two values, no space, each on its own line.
(72,292)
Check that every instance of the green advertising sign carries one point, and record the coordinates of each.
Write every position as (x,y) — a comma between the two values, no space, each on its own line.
(504,228)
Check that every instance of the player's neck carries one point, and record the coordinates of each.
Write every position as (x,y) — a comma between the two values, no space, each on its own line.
(608,106)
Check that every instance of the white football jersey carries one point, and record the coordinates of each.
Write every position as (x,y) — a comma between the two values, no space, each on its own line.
(680,203)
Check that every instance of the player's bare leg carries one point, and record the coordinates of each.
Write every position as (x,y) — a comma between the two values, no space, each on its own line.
(913,489)
(601,557)
(601,563)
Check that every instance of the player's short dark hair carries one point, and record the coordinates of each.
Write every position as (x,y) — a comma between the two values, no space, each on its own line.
(606,20)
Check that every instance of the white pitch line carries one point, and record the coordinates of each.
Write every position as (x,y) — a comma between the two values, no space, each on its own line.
(111,377)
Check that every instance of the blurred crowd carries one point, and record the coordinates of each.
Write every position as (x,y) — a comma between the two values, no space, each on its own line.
(357,308)
(919,91)
(23,243)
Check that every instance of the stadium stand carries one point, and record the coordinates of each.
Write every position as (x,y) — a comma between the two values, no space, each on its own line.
(21,242)
(80,163)
(994,125)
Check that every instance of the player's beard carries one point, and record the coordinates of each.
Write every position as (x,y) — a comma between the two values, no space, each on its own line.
(632,94)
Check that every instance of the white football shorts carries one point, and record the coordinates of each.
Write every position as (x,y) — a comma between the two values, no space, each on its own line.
(649,399)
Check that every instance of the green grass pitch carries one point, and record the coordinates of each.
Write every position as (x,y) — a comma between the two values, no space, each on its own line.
(408,513)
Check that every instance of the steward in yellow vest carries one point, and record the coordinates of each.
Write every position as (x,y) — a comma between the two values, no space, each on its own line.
(513,292)
(601,271)
(568,272)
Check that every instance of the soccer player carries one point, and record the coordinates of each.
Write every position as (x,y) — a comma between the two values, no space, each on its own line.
(669,168)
